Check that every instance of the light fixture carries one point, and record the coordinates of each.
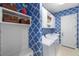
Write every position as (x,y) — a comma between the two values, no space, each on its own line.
(60,3)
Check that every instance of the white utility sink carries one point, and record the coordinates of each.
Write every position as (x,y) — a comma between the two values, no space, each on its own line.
(49,39)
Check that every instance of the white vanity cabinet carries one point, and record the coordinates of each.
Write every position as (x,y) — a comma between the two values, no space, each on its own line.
(52,49)
(13,36)
(50,44)
(48,20)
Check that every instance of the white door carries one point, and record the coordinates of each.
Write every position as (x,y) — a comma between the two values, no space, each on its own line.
(69,30)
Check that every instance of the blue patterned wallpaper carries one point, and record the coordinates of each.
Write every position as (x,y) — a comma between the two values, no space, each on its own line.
(35,30)
(47,30)
(58,16)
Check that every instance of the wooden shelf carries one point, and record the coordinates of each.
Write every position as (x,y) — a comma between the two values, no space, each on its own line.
(14,13)
(14,23)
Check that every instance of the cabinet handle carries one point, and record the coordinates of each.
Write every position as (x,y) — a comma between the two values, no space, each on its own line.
(62,34)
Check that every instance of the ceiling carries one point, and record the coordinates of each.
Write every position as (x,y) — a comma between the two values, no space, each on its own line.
(55,7)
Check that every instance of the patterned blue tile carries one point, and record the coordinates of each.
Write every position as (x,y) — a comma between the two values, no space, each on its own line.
(35,13)
(33,10)
(47,30)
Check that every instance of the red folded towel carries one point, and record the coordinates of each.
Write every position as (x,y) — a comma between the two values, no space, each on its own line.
(24,11)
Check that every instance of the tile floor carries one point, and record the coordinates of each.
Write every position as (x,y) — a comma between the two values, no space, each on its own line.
(65,51)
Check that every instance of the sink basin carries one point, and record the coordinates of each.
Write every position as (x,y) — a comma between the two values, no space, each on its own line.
(49,39)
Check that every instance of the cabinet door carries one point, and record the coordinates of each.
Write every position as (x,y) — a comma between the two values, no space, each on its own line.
(48,20)
(14,39)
